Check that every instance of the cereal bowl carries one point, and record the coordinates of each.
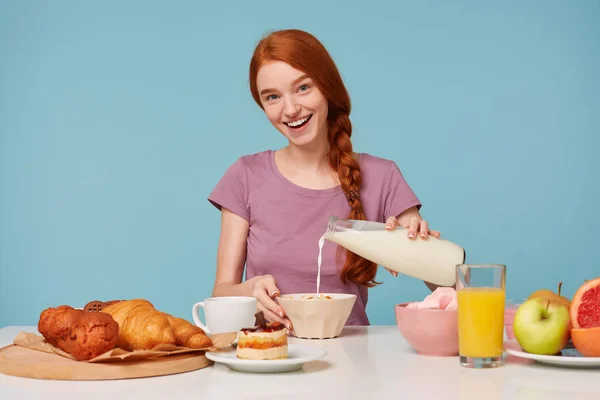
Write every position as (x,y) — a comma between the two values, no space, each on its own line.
(429,332)
(315,317)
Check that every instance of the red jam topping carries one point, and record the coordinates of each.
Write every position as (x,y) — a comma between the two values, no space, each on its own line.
(271,327)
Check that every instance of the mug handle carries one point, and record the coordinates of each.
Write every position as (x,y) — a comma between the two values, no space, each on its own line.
(196,316)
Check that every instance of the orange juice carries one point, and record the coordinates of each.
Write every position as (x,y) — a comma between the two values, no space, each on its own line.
(480,321)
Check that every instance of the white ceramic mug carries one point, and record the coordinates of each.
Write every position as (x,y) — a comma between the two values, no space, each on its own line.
(225,314)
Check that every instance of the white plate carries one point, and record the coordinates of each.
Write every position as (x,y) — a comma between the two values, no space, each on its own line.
(570,357)
(297,356)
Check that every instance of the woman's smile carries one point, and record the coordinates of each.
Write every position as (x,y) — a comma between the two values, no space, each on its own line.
(298,126)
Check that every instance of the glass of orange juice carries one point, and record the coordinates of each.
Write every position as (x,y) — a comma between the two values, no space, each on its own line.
(481,293)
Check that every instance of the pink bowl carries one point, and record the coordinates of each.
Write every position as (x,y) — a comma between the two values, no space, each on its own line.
(509,317)
(429,332)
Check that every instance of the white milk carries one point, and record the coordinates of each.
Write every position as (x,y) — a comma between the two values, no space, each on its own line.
(319,259)
(432,260)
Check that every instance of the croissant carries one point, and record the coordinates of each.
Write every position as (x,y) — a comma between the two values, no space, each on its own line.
(141,326)
(188,335)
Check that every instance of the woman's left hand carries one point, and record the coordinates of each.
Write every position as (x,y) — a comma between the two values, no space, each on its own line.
(416,225)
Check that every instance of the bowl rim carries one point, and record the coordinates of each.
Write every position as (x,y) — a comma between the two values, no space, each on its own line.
(402,306)
(335,296)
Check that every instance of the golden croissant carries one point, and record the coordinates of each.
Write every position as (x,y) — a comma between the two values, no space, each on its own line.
(188,335)
(141,326)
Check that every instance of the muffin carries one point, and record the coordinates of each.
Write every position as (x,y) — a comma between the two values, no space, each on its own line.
(92,334)
(54,323)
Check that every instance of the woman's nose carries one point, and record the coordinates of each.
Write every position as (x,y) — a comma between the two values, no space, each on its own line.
(290,108)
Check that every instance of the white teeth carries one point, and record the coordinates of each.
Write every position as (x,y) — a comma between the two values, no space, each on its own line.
(296,123)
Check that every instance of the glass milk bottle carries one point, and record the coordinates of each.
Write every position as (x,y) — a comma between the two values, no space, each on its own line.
(432,260)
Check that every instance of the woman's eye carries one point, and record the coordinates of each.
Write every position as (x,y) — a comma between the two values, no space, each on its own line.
(272,97)
(304,87)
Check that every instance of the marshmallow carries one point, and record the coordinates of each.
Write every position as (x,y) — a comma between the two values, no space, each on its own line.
(442,298)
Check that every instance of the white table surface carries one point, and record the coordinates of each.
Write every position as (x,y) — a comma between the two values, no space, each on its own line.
(363,363)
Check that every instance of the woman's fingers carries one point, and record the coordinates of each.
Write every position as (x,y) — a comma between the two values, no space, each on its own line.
(264,291)
(391,223)
(271,316)
(269,304)
(269,282)
(423,229)
(413,227)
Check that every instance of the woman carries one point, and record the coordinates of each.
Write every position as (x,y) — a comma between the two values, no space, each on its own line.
(276,204)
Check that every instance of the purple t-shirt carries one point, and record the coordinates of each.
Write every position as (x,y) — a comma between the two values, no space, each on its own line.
(286,221)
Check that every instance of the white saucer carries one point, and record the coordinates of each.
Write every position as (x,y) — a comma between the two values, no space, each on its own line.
(297,356)
(570,357)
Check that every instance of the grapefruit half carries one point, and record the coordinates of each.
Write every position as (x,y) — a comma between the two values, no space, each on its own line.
(587,341)
(585,305)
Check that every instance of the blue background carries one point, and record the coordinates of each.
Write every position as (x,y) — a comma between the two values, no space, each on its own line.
(118,118)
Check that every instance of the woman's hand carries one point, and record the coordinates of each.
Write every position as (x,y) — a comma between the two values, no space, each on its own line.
(416,225)
(265,290)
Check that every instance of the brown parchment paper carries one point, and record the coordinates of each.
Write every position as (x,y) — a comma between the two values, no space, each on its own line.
(32,341)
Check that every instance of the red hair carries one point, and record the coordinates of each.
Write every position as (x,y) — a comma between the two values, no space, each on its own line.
(304,52)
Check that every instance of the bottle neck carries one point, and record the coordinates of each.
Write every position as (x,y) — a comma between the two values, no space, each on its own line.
(332,225)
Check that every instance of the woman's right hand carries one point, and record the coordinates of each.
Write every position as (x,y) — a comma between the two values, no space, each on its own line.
(265,290)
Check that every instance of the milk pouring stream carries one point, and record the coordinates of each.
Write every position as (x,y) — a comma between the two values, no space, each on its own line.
(432,260)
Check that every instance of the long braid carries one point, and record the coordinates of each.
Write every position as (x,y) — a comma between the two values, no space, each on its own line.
(356,268)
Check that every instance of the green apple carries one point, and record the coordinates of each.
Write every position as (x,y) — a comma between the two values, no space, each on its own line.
(542,326)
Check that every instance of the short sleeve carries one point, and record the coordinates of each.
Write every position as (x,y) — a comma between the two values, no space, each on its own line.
(231,192)
(399,196)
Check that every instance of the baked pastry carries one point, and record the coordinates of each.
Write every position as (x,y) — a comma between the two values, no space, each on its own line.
(83,335)
(54,324)
(92,334)
(141,326)
(97,305)
(265,341)
(187,334)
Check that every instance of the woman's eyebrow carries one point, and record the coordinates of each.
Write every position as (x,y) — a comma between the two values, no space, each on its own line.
(294,82)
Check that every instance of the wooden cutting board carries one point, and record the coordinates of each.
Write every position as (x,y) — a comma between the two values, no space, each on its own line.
(24,362)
